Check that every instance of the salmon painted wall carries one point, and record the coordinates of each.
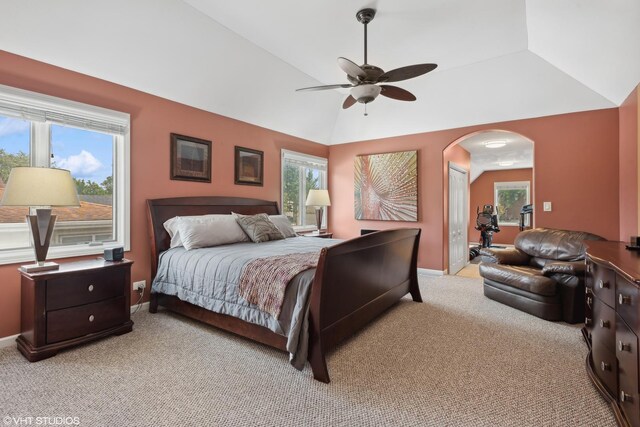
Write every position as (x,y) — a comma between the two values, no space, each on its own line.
(629,164)
(576,158)
(152,120)
(482,192)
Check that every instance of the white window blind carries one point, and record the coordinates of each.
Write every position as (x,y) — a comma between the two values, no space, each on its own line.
(42,108)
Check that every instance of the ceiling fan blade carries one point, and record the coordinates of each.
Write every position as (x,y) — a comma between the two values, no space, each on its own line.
(327,87)
(348,102)
(351,68)
(397,93)
(405,73)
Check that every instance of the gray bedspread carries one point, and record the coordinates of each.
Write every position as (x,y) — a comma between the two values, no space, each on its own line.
(208,278)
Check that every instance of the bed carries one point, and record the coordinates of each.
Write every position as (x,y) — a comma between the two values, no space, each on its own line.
(354,281)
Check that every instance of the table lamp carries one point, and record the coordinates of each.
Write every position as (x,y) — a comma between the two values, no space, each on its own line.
(319,199)
(40,189)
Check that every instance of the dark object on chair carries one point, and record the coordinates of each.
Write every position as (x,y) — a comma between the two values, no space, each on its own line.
(487,224)
(527,210)
(543,275)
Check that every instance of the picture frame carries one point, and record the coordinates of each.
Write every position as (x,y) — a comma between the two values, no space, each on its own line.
(249,166)
(386,186)
(190,158)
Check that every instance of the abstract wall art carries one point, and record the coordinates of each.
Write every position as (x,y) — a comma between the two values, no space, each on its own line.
(386,186)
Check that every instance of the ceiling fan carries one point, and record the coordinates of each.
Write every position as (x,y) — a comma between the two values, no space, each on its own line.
(365,78)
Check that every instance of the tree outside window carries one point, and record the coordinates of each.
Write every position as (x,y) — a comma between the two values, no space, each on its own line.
(510,197)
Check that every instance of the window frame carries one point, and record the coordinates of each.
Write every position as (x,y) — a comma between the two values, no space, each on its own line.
(289,154)
(511,185)
(39,109)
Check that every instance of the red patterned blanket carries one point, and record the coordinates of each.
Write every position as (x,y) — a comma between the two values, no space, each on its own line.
(264,281)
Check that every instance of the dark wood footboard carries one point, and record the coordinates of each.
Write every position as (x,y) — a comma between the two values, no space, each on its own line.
(355,280)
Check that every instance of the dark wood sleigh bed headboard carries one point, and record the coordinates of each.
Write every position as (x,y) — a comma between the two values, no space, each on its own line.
(160,210)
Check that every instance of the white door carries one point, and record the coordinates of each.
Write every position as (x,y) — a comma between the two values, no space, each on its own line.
(458,212)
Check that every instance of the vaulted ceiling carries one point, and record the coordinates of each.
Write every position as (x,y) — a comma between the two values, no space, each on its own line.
(498,59)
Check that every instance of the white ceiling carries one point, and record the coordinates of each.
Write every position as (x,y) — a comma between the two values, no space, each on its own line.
(518,150)
(498,59)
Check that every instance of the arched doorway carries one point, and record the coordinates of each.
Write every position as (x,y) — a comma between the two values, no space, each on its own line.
(498,167)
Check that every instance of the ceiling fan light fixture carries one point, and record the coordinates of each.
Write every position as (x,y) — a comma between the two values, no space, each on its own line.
(365,93)
(495,144)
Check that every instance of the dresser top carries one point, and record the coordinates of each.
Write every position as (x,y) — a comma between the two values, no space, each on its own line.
(615,254)
(75,267)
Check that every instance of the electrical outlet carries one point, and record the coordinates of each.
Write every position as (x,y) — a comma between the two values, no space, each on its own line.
(139,286)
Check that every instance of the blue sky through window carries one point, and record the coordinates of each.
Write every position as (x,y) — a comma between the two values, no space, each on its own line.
(87,154)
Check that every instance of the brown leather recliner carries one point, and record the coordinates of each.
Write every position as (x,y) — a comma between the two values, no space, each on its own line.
(543,275)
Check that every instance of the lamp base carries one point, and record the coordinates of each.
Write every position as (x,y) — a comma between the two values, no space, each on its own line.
(36,268)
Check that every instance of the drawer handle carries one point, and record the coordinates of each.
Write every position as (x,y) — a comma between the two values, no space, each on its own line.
(92,318)
(624,347)
(623,299)
(605,366)
(624,397)
(90,288)
(589,302)
(604,323)
(602,284)
(587,321)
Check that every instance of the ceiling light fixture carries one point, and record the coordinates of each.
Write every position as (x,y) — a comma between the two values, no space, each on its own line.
(495,144)
(507,163)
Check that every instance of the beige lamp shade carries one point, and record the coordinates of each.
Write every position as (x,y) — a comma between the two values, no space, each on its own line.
(318,198)
(29,186)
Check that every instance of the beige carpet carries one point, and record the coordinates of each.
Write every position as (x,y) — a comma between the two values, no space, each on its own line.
(459,359)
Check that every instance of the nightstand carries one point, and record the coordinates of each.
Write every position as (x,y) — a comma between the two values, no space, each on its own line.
(81,302)
(321,234)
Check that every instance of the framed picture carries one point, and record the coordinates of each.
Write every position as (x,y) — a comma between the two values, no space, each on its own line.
(249,166)
(190,158)
(386,186)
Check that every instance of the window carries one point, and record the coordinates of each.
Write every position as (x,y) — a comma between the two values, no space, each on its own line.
(510,197)
(301,173)
(92,143)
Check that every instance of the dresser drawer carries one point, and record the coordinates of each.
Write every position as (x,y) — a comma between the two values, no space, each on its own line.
(605,366)
(628,302)
(85,288)
(603,330)
(603,283)
(79,321)
(627,355)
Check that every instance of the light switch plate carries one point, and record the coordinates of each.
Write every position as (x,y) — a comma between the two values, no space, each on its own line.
(546,206)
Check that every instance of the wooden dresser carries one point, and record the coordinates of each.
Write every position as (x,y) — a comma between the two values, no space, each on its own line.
(80,302)
(612,326)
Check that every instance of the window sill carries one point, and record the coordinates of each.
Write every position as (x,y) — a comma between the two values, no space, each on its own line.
(22,255)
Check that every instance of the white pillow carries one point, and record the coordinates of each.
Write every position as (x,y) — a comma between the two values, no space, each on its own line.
(283,224)
(204,231)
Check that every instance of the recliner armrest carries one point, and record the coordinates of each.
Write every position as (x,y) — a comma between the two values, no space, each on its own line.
(573,268)
(505,256)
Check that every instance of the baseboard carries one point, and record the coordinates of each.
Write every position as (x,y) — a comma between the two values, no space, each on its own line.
(8,341)
(430,272)
(144,306)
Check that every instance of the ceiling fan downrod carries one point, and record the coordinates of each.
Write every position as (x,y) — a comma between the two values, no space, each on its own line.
(365,16)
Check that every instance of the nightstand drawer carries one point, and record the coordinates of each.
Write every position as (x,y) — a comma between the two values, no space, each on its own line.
(79,321)
(85,288)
